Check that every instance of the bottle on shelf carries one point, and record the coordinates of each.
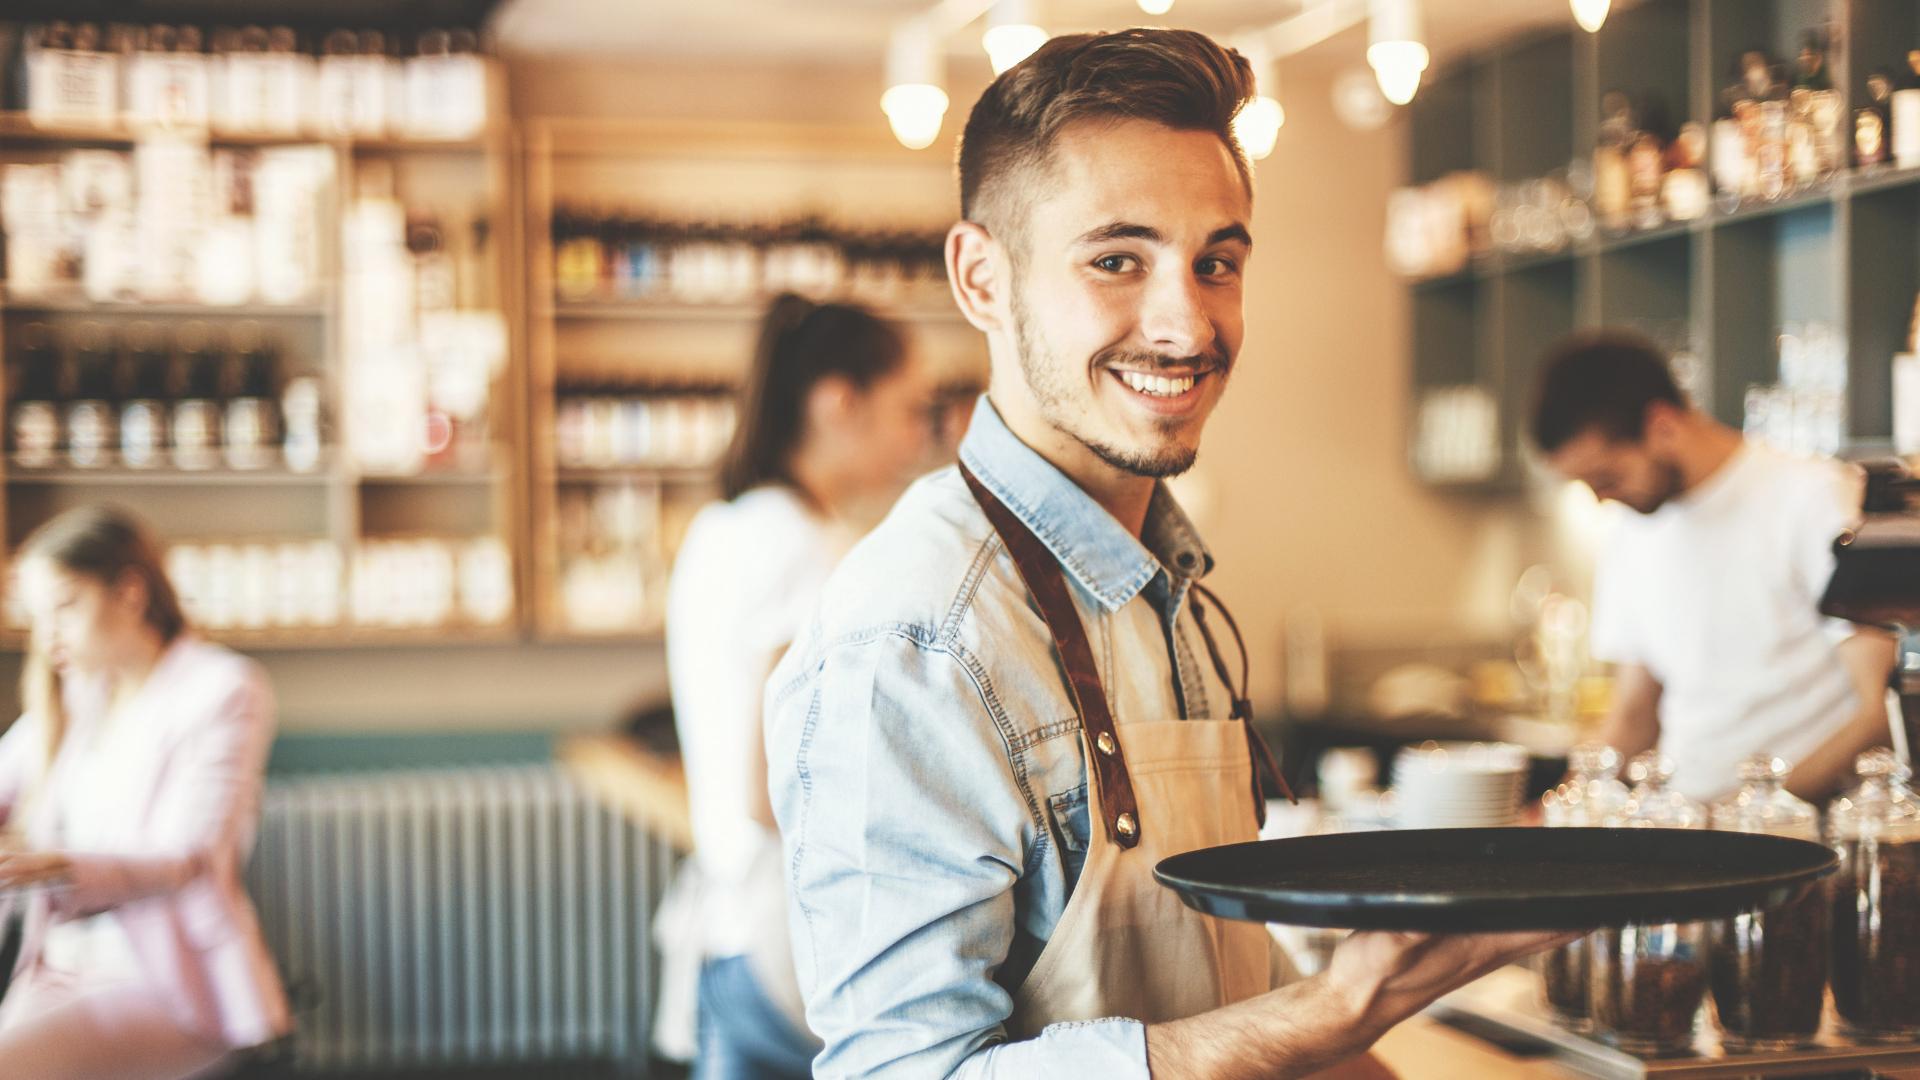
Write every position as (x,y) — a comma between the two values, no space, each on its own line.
(34,422)
(251,425)
(145,409)
(89,408)
(196,416)
(300,410)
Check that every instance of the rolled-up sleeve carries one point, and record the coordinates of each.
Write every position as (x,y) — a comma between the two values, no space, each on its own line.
(906,833)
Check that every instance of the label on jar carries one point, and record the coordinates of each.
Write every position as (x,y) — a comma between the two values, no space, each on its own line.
(248,433)
(36,434)
(143,434)
(89,433)
(196,429)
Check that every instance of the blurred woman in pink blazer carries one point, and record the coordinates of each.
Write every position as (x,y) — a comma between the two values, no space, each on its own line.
(130,791)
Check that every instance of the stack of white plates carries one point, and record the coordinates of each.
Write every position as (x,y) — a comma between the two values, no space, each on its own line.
(1458,785)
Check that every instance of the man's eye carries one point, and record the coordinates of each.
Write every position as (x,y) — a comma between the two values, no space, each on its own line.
(1216,266)
(1115,264)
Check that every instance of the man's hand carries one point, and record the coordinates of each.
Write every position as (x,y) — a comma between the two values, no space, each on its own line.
(20,869)
(1374,981)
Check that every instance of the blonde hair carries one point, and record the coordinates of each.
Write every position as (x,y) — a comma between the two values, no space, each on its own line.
(104,544)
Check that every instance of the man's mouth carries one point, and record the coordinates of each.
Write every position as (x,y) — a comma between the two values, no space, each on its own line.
(1164,384)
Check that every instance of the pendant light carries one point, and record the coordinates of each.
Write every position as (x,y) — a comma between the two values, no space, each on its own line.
(1156,7)
(1591,14)
(1011,35)
(1394,49)
(914,102)
(1256,127)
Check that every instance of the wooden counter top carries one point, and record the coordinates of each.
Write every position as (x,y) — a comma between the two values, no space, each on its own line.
(648,787)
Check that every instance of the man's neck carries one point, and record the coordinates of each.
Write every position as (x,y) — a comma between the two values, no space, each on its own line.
(1123,494)
(1702,459)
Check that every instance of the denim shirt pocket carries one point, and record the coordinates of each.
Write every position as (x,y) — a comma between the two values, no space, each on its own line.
(1069,812)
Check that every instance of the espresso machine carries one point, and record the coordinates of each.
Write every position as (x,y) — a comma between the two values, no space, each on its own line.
(1876,581)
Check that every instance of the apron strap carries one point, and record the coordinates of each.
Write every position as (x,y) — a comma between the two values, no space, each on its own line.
(1261,756)
(1041,572)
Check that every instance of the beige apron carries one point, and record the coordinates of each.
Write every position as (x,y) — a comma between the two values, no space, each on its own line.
(1126,945)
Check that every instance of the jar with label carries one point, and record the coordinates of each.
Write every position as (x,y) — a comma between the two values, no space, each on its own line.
(34,422)
(1647,981)
(196,411)
(1875,829)
(252,423)
(1592,795)
(300,413)
(89,409)
(1769,968)
(143,395)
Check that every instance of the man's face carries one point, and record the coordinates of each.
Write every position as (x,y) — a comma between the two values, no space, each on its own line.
(1126,292)
(1619,469)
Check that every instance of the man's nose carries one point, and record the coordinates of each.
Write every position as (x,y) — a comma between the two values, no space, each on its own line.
(1174,319)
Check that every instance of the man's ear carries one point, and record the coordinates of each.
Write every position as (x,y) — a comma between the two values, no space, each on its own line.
(975,271)
(1662,421)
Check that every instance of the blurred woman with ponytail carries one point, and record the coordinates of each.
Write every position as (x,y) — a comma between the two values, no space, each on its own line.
(836,417)
(130,790)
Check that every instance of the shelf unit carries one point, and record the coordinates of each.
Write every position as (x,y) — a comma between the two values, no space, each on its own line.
(727,172)
(1845,252)
(473,176)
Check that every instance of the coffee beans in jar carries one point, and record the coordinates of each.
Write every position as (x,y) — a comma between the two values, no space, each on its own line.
(1875,896)
(1769,967)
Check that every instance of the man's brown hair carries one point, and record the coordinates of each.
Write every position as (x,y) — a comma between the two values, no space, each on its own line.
(1178,78)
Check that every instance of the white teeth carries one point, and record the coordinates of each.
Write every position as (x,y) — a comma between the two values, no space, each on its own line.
(1156,385)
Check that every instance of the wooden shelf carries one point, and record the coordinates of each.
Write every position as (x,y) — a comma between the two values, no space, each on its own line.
(23,476)
(20,127)
(77,303)
(443,478)
(657,473)
(655,311)
(13,640)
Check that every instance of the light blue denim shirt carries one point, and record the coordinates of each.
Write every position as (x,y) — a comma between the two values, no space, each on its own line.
(926,768)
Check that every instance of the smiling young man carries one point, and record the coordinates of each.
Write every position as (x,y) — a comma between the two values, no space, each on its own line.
(1010,704)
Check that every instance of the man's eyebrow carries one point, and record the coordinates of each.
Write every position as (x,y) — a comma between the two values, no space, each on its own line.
(1120,230)
(1127,230)
(1235,231)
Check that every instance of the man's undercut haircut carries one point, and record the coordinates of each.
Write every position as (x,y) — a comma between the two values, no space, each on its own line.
(1178,78)
(1601,381)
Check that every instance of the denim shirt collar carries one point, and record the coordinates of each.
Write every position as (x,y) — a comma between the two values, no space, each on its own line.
(1107,560)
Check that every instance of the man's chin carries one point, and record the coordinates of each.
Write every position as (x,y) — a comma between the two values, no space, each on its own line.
(1157,463)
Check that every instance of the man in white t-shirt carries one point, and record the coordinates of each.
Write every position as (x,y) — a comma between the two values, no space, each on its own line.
(1706,598)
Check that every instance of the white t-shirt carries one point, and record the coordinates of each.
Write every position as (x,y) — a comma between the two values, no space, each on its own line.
(745,582)
(1717,594)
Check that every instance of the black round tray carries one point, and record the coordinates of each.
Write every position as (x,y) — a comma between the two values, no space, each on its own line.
(1440,880)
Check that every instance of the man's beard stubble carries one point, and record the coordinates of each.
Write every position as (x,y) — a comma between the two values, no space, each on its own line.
(1048,381)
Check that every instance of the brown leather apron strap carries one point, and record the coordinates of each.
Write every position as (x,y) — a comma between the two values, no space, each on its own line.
(1257,751)
(1041,572)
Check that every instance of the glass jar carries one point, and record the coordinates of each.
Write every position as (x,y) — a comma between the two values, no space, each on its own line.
(1591,795)
(1769,968)
(1647,982)
(1875,829)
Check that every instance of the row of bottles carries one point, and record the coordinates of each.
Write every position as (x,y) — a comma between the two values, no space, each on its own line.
(305,585)
(142,399)
(253,80)
(686,426)
(172,221)
(1766,972)
(630,256)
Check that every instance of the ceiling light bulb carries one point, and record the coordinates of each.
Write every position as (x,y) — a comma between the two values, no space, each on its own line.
(1009,43)
(1398,65)
(1256,127)
(914,102)
(915,112)
(1394,50)
(1591,14)
(1156,7)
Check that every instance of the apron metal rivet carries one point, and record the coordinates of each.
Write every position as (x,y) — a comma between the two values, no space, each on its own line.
(1124,825)
(1105,744)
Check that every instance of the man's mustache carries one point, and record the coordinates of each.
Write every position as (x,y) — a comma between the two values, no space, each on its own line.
(1215,360)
